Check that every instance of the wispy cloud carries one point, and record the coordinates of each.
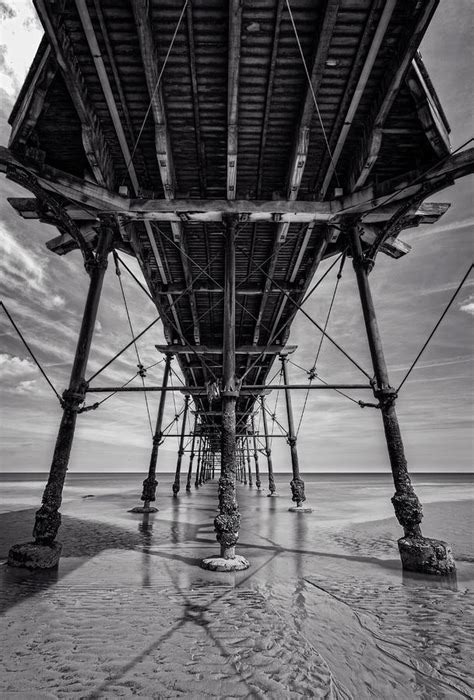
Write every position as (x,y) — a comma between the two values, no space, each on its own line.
(468,305)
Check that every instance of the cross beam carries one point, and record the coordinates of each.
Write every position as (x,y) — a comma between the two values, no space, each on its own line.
(215,350)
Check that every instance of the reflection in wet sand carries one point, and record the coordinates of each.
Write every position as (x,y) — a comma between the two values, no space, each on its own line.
(324,610)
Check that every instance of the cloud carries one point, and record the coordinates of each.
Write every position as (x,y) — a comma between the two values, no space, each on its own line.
(21,32)
(19,265)
(468,305)
(26,387)
(436,229)
(13,368)
(6,12)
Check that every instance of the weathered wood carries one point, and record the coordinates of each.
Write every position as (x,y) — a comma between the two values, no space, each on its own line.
(241,350)
(400,68)
(377,201)
(95,145)
(34,99)
(233,72)
(301,144)
(150,65)
(377,39)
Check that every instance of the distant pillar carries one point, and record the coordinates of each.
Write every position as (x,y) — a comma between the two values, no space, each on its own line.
(191,456)
(258,481)
(247,445)
(417,552)
(297,483)
(177,477)
(44,552)
(242,455)
(150,483)
(268,451)
(198,463)
(227,522)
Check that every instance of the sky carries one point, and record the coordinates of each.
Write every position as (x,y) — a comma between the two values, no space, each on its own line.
(45,293)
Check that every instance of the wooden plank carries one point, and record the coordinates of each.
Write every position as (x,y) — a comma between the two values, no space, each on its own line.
(164,158)
(32,104)
(367,160)
(233,72)
(95,145)
(301,144)
(369,62)
(269,92)
(107,90)
(150,65)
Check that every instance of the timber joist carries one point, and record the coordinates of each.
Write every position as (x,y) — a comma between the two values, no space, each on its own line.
(281,119)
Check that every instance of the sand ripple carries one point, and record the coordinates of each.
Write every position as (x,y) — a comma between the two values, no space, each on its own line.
(156,642)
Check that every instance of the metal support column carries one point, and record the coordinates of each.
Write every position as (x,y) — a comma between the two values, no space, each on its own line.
(417,552)
(297,483)
(227,522)
(198,463)
(247,444)
(150,483)
(258,481)
(191,456)
(44,552)
(268,451)
(177,477)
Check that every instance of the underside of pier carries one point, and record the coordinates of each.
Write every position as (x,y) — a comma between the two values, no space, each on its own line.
(230,147)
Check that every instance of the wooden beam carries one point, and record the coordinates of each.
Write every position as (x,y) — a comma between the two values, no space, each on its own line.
(268,283)
(233,72)
(301,144)
(428,113)
(377,201)
(28,111)
(269,93)
(95,145)
(200,147)
(377,39)
(215,350)
(102,74)
(178,289)
(367,160)
(162,139)
(150,65)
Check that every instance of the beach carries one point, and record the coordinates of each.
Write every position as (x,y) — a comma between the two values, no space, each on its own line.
(323,611)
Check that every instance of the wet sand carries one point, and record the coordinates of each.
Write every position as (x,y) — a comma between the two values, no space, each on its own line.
(324,611)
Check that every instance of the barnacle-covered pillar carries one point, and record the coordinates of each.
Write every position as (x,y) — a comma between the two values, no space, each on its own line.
(297,483)
(258,481)
(177,477)
(150,483)
(191,456)
(417,553)
(44,552)
(227,522)
(268,451)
